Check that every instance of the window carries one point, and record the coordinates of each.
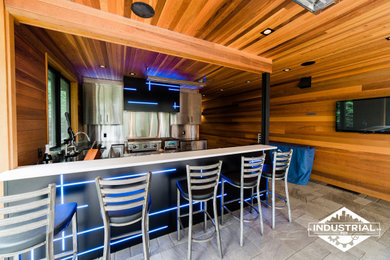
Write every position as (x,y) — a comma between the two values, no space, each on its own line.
(58,103)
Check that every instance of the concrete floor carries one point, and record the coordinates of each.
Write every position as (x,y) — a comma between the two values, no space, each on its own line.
(309,203)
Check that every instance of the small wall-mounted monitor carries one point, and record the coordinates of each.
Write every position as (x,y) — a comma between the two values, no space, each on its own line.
(145,95)
(371,115)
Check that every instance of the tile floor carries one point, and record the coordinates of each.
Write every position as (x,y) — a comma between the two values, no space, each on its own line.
(309,203)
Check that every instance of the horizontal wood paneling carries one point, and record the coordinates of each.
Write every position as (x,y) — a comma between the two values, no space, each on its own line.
(30,99)
(30,75)
(355,161)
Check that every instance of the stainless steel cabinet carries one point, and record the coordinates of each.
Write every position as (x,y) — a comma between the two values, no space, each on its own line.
(190,109)
(103,103)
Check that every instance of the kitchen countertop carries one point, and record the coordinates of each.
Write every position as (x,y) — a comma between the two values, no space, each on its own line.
(43,170)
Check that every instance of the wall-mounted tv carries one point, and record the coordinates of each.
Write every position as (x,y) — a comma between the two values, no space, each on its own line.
(144,95)
(371,115)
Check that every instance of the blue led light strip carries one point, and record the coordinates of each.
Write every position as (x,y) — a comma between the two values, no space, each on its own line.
(115,178)
(175,106)
(130,89)
(116,242)
(142,103)
(174,89)
(163,85)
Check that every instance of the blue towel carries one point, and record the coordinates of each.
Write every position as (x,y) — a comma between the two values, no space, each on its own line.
(301,162)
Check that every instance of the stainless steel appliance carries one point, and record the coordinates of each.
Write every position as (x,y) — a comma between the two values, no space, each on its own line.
(170,144)
(102,101)
(190,108)
(144,146)
(193,145)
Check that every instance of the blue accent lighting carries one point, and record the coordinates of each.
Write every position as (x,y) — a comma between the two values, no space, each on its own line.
(130,89)
(174,89)
(175,106)
(142,103)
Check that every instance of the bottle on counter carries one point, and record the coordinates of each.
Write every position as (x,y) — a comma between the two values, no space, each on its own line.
(47,156)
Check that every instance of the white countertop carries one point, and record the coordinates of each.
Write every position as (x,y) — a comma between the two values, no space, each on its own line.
(43,170)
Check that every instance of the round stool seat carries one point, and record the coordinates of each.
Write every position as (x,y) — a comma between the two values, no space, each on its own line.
(196,194)
(267,172)
(22,241)
(234,178)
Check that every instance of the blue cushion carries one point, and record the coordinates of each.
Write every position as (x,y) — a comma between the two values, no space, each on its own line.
(16,243)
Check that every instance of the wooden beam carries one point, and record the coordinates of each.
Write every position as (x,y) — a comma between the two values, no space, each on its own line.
(70,17)
(8,147)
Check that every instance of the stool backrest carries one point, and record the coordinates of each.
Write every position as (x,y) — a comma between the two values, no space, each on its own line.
(282,162)
(203,177)
(251,167)
(29,211)
(123,194)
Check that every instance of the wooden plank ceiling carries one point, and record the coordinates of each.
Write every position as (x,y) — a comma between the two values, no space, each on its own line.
(350,35)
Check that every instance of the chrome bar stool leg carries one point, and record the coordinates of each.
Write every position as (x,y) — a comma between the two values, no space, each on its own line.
(106,251)
(74,235)
(190,231)
(251,207)
(241,217)
(222,199)
(178,215)
(260,211)
(217,227)
(287,200)
(273,203)
(145,237)
(205,215)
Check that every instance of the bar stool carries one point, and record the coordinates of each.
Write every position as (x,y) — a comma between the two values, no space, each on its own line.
(201,186)
(279,171)
(122,203)
(251,169)
(33,223)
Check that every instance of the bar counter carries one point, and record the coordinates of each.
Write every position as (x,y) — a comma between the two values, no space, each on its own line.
(75,183)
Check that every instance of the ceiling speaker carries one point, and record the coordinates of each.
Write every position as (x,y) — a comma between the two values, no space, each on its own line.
(305,82)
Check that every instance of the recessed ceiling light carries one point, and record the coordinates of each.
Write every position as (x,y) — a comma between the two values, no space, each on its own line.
(102,66)
(287,69)
(267,31)
(132,74)
(221,89)
(142,9)
(204,95)
(388,38)
(248,81)
(308,63)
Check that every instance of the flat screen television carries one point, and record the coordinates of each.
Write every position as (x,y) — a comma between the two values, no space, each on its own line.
(144,95)
(371,115)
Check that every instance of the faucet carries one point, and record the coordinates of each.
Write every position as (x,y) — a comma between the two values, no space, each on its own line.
(83,133)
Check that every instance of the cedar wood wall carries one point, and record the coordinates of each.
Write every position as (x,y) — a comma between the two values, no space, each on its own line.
(30,72)
(355,161)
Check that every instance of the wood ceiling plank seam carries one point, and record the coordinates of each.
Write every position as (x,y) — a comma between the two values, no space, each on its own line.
(84,53)
(204,15)
(269,9)
(158,10)
(304,24)
(278,26)
(352,48)
(160,66)
(104,5)
(275,21)
(231,16)
(219,16)
(188,15)
(168,13)
(127,8)
(328,37)
(253,12)
(183,7)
